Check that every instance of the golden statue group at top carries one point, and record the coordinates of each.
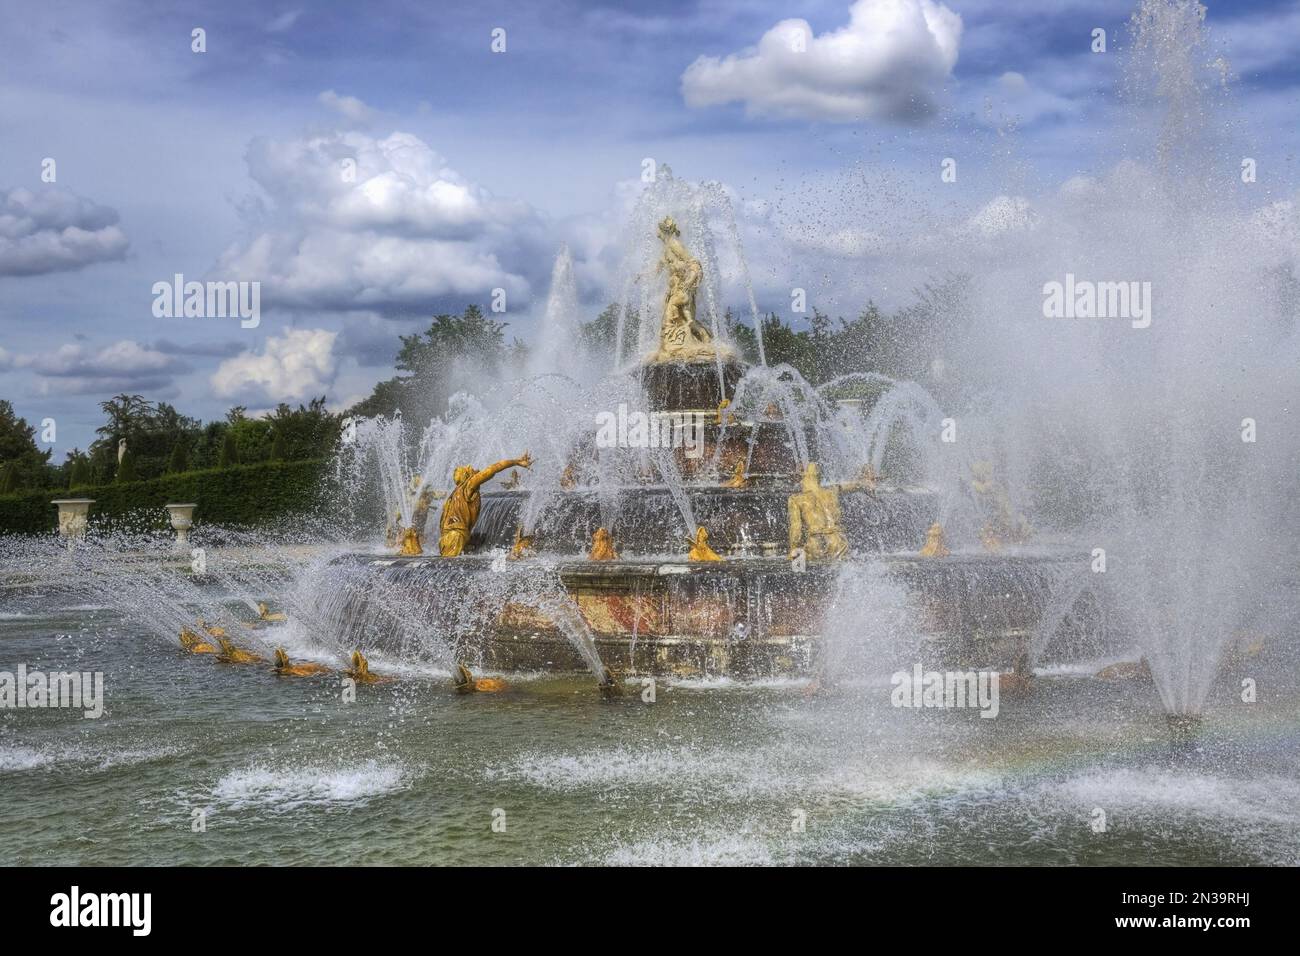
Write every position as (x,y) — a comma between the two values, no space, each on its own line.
(681,337)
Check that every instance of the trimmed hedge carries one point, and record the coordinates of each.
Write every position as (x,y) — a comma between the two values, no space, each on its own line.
(240,495)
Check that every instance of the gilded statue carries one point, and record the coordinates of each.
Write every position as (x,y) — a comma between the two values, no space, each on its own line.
(194,644)
(417,502)
(466,683)
(264,613)
(1004,524)
(738,477)
(409,543)
(935,546)
(815,520)
(523,544)
(230,654)
(602,546)
(420,508)
(681,337)
(700,550)
(461,508)
(285,668)
(360,671)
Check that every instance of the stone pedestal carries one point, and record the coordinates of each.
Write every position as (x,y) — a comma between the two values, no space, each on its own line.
(694,386)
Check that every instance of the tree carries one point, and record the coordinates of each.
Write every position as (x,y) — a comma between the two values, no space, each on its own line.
(152,431)
(385,399)
(8,479)
(126,467)
(22,460)
(252,438)
(455,352)
(599,337)
(229,451)
(179,461)
(207,449)
(78,467)
(308,431)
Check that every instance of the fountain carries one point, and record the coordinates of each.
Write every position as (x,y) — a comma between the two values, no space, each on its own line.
(765,550)
(719,455)
(685,511)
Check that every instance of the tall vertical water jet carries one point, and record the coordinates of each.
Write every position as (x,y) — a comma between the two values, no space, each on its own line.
(1134,418)
(557,342)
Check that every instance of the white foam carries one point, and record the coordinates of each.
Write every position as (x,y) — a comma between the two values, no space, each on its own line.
(19,757)
(765,772)
(316,785)
(1088,668)
(728,683)
(14,758)
(728,849)
(1261,800)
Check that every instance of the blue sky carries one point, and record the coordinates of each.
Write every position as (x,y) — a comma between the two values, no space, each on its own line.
(474,166)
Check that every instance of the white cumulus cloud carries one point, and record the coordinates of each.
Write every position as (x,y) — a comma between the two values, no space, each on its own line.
(294,366)
(349,107)
(887,63)
(356,222)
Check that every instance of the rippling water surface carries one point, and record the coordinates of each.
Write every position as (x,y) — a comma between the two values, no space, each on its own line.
(712,772)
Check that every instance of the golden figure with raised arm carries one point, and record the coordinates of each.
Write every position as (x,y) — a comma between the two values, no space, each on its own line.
(461,508)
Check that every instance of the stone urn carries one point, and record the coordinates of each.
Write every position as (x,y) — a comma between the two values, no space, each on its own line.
(182,518)
(73,517)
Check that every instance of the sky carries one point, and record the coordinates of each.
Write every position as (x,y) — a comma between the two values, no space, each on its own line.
(372,164)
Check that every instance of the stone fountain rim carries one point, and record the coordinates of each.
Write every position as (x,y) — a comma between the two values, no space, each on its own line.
(651,566)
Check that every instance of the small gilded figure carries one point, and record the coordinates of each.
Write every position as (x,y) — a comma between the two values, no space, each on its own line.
(935,546)
(738,477)
(700,550)
(602,546)
(523,544)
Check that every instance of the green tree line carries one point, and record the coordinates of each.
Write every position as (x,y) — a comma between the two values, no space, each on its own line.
(162,441)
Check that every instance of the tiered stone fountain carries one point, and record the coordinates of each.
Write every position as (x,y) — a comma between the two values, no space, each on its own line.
(745,596)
